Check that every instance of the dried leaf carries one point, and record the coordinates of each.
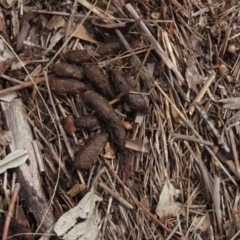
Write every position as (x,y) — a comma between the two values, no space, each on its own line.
(12,160)
(137,146)
(91,52)
(25,27)
(55,22)
(234,118)
(68,226)
(109,151)
(196,46)
(192,75)
(5,137)
(231,103)
(54,40)
(201,223)
(5,53)
(167,206)
(83,34)
(127,125)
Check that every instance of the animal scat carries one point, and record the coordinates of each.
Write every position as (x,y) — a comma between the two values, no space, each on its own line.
(109,48)
(65,85)
(77,56)
(134,100)
(100,80)
(105,113)
(63,69)
(89,153)
(87,122)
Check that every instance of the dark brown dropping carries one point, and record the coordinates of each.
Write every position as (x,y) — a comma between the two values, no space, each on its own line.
(100,80)
(68,70)
(66,86)
(109,48)
(77,56)
(89,153)
(87,122)
(105,112)
(134,100)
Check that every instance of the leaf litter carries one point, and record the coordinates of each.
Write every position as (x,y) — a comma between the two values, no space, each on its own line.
(174,159)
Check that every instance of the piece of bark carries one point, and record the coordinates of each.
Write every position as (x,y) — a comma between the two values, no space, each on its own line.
(87,122)
(100,80)
(63,69)
(22,35)
(77,56)
(31,193)
(66,86)
(135,101)
(105,112)
(89,153)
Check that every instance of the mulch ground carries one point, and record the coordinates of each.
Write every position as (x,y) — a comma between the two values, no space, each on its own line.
(133,111)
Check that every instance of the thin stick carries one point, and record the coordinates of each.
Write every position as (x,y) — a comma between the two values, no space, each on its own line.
(66,42)
(57,118)
(201,93)
(188,123)
(155,43)
(116,195)
(101,17)
(176,135)
(10,211)
(139,204)
(22,86)
(70,22)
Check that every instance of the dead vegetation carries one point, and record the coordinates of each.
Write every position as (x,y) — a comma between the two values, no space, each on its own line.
(129,111)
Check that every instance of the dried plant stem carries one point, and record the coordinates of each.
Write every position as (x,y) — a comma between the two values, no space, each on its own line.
(220,139)
(234,149)
(58,119)
(10,211)
(180,8)
(210,5)
(115,195)
(187,122)
(201,93)
(66,42)
(100,17)
(54,154)
(155,43)
(70,22)
(22,86)
(139,204)
(204,142)
(144,74)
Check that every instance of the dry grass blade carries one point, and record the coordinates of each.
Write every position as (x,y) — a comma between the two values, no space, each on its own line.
(133,106)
